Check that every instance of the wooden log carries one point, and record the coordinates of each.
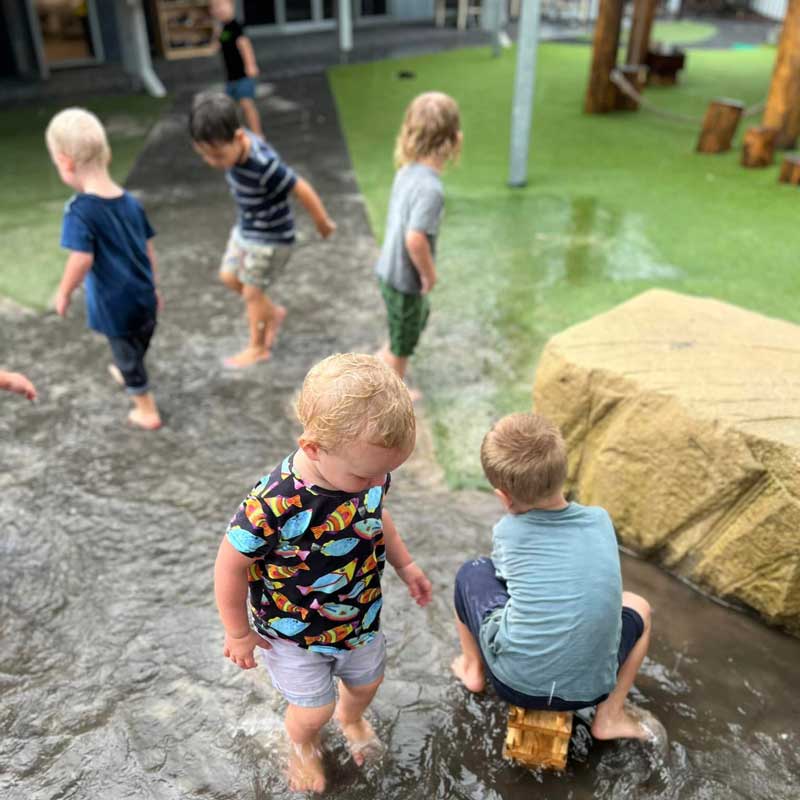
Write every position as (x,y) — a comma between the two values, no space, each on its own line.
(636,76)
(664,64)
(758,147)
(790,169)
(719,125)
(783,101)
(642,23)
(601,94)
(538,738)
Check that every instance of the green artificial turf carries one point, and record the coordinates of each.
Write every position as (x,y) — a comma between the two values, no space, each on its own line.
(32,197)
(615,204)
(682,32)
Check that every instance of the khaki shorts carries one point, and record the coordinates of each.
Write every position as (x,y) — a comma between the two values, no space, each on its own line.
(252,263)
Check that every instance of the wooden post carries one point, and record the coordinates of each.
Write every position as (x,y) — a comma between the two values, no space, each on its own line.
(664,64)
(601,94)
(719,125)
(758,147)
(783,101)
(641,25)
(636,75)
(790,169)
(538,738)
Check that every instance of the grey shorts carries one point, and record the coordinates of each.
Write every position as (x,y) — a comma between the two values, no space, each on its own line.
(252,263)
(306,678)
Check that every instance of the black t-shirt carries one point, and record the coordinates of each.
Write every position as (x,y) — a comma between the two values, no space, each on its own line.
(229,35)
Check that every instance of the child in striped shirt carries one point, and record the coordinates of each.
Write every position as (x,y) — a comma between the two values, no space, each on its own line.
(260,243)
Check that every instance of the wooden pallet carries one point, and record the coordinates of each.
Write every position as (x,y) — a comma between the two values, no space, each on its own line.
(538,738)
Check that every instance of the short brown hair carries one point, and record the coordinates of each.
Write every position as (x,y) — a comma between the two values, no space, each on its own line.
(431,127)
(525,456)
(350,396)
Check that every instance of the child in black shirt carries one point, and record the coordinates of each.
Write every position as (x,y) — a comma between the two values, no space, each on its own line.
(240,62)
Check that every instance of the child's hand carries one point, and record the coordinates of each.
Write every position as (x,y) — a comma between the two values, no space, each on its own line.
(62,304)
(252,72)
(428,282)
(159,302)
(240,649)
(325,227)
(419,587)
(16,382)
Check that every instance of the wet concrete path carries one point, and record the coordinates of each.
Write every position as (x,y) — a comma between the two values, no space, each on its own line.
(112,683)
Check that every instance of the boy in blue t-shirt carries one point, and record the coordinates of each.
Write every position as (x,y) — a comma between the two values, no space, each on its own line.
(111,252)
(545,619)
(260,243)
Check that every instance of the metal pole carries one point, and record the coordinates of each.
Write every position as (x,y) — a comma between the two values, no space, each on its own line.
(524,83)
(345,26)
(495,25)
(136,48)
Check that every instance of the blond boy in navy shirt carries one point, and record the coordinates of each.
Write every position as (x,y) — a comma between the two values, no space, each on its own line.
(110,241)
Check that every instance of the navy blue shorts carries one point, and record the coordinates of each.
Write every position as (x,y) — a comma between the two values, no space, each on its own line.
(478,592)
(128,353)
(240,89)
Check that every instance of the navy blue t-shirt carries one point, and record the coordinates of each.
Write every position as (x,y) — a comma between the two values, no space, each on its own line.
(120,291)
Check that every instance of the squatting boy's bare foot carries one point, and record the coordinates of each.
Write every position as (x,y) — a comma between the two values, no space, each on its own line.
(469,673)
(362,740)
(144,420)
(627,723)
(248,357)
(306,772)
(272,332)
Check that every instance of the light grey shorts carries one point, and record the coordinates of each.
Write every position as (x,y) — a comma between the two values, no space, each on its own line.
(306,678)
(252,263)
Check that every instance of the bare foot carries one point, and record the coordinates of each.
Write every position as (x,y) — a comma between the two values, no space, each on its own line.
(628,723)
(362,740)
(248,357)
(306,773)
(116,375)
(469,673)
(142,419)
(272,331)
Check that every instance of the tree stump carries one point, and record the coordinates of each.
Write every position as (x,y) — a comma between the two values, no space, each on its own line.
(636,75)
(758,147)
(664,65)
(538,738)
(719,125)
(790,169)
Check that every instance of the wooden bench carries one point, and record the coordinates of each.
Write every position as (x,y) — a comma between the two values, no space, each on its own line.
(538,738)
(790,169)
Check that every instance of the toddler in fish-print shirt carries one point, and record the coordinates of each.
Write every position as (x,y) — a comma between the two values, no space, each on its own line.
(310,541)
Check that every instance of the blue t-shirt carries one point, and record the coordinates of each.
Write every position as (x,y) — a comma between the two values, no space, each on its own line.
(559,632)
(260,186)
(120,291)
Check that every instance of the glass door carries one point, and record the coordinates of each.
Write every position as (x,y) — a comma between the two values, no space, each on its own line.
(68,32)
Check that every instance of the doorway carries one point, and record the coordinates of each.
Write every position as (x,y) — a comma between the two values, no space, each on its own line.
(69,32)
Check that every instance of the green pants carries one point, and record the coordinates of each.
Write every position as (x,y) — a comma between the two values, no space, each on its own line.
(408,314)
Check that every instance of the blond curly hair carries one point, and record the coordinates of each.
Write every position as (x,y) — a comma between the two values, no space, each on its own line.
(354,396)
(431,128)
(79,135)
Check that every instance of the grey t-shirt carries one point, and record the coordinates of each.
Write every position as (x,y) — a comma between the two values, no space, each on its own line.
(416,204)
(559,632)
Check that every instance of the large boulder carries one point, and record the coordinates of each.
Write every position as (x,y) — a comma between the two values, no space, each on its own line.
(682,418)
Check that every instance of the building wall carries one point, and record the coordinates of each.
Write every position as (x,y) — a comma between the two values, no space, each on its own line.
(411,9)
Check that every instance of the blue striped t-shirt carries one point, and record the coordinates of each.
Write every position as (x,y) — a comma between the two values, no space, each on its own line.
(260,186)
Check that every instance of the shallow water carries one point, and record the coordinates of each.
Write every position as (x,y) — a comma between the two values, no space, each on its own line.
(111,674)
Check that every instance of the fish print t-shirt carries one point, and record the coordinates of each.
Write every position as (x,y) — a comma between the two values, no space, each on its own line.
(320,554)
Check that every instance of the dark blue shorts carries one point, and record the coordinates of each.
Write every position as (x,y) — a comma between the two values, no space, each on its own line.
(244,87)
(478,592)
(128,353)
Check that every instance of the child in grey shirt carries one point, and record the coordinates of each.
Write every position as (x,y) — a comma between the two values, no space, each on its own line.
(429,137)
